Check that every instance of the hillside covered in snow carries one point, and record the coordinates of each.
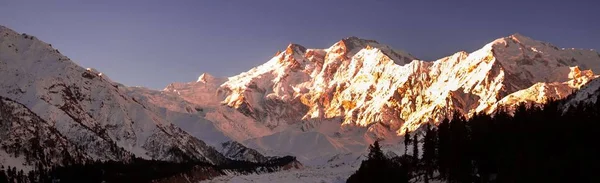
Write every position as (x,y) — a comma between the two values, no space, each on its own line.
(54,113)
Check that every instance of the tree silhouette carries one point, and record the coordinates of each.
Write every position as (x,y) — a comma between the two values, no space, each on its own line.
(378,168)
(415,157)
(429,154)
(444,148)
(375,152)
(528,143)
(407,141)
(460,162)
(3,176)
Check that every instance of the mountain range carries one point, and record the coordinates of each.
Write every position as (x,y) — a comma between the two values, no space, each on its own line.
(56,112)
(311,102)
(316,104)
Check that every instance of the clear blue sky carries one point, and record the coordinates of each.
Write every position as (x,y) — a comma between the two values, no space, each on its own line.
(155,42)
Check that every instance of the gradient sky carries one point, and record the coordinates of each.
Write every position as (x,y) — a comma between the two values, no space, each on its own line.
(155,42)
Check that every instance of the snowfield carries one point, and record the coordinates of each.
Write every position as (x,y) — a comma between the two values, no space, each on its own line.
(329,175)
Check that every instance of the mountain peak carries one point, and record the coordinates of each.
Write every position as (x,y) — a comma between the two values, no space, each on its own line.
(4,28)
(357,39)
(520,38)
(515,38)
(352,44)
(516,35)
(295,48)
(517,43)
(205,77)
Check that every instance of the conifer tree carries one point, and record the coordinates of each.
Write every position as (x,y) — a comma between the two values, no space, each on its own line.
(429,154)
(415,143)
(443,146)
(375,152)
(407,141)
(3,176)
(415,156)
(460,166)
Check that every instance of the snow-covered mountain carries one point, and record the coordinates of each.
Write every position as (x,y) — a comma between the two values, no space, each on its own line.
(28,140)
(311,102)
(299,83)
(370,85)
(86,113)
(195,108)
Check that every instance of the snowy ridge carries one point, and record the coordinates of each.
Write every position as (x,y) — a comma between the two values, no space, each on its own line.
(370,85)
(281,83)
(184,105)
(588,94)
(89,110)
(189,117)
(237,151)
(201,92)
